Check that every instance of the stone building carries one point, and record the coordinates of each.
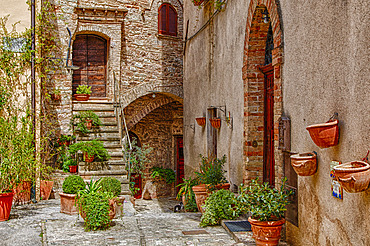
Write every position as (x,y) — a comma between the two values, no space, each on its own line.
(259,61)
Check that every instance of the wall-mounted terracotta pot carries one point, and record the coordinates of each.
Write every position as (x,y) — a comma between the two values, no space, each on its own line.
(353,176)
(215,123)
(304,164)
(201,121)
(325,135)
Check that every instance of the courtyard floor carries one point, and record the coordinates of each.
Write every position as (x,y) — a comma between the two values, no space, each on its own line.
(152,222)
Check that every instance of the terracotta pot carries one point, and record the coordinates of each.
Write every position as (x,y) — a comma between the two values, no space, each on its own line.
(112,210)
(22,194)
(304,164)
(215,123)
(73,169)
(45,189)
(353,176)
(88,158)
(6,200)
(202,192)
(56,97)
(68,203)
(197,2)
(266,233)
(325,135)
(201,121)
(82,97)
(119,206)
(88,124)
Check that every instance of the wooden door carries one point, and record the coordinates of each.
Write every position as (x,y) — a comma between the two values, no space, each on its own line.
(90,55)
(268,138)
(180,161)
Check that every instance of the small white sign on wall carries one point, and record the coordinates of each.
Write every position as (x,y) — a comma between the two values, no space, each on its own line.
(336,188)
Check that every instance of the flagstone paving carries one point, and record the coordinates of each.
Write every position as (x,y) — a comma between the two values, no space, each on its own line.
(153,223)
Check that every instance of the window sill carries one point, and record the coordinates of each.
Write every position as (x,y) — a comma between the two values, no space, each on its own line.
(163,36)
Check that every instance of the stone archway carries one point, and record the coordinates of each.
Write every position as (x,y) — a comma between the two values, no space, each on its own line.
(254,88)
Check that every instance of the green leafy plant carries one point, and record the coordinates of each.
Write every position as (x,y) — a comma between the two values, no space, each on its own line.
(81,119)
(91,148)
(67,163)
(221,204)
(134,190)
(163,173)
(136,157)
(264,202)
(211,171)
(83,89)
(72,184)
(110,184)
(91,187)
(66,138)
(186,190)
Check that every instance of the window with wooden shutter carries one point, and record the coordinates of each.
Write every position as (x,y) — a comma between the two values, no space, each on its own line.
(167,20)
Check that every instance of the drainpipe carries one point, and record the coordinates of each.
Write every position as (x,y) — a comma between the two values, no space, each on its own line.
(33,71)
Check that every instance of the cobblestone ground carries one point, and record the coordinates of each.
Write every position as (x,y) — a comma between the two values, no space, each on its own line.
(153,223)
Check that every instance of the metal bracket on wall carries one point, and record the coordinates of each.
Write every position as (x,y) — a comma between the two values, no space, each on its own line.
(191,126)
(226,115)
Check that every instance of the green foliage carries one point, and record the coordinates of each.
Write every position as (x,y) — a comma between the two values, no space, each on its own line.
(265,203)
(92,187)
(96,207)
(211,171)
(163,173)
(137,157)
(221,204)
(72,184)
(81,119)
(92,148)
(186,190)
(66,138)
(133,189)
(110,184)
(83,89)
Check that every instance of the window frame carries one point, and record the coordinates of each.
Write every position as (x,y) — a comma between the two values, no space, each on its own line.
(167,32)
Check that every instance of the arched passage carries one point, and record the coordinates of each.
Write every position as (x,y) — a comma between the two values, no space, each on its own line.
(262,92)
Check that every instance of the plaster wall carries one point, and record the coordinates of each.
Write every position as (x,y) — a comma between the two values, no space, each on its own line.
(19,12)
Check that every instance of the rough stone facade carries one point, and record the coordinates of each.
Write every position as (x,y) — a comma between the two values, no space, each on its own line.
(320,67)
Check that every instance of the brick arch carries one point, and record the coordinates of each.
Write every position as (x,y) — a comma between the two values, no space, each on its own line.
(253,79)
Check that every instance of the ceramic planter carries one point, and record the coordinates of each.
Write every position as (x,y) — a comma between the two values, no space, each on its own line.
(6,200)
(215,123)
(266,233)
(88,158)
(72,169)
(68,203)
(22,194)
(88,124)
(201,121)
(304,164)
(82,97)
(353,176)
(202,192)
(45,189)
(325,135)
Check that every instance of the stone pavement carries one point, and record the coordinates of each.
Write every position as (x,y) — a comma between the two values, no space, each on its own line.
(153,223)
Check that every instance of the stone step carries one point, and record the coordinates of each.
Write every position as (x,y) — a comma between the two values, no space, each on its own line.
(102,114)
(115,139)
(103,128)
(94,106)
(100,136)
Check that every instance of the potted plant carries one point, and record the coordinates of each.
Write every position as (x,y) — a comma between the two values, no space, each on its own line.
(113,185)
(304,164)
(91,149)
(325,135)
(186,194)
(71,185)
(353,176)
(201,121)
(96,207)
(56,95)
(83,93)
(85,120)
(215,122)
(211,177)
(72,165)
(163,178)
(66,139)
(46,187)
(267,206)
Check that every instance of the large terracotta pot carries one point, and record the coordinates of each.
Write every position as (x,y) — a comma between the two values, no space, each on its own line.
(353,176)
(325,135)
(266,233)
(202,192)
(6,200)
(68,203)
(22,194)
(45,189)
(82,97)
(201,121)
(304,164)
(112,210)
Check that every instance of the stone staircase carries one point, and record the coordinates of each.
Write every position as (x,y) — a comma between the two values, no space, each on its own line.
(109,134)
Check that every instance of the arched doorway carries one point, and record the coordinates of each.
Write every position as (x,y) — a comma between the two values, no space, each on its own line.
(262,87)
(90,55)
(136,177)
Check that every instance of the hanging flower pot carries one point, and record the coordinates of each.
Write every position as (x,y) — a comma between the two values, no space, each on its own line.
(304,164)
(215,122)
(201,121)
(325,135)
(88,124)
(6,200)
(88,158)
(353,176)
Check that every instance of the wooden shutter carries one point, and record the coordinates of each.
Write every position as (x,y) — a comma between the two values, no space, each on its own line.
(167,20)
(162,21)
(172,21)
